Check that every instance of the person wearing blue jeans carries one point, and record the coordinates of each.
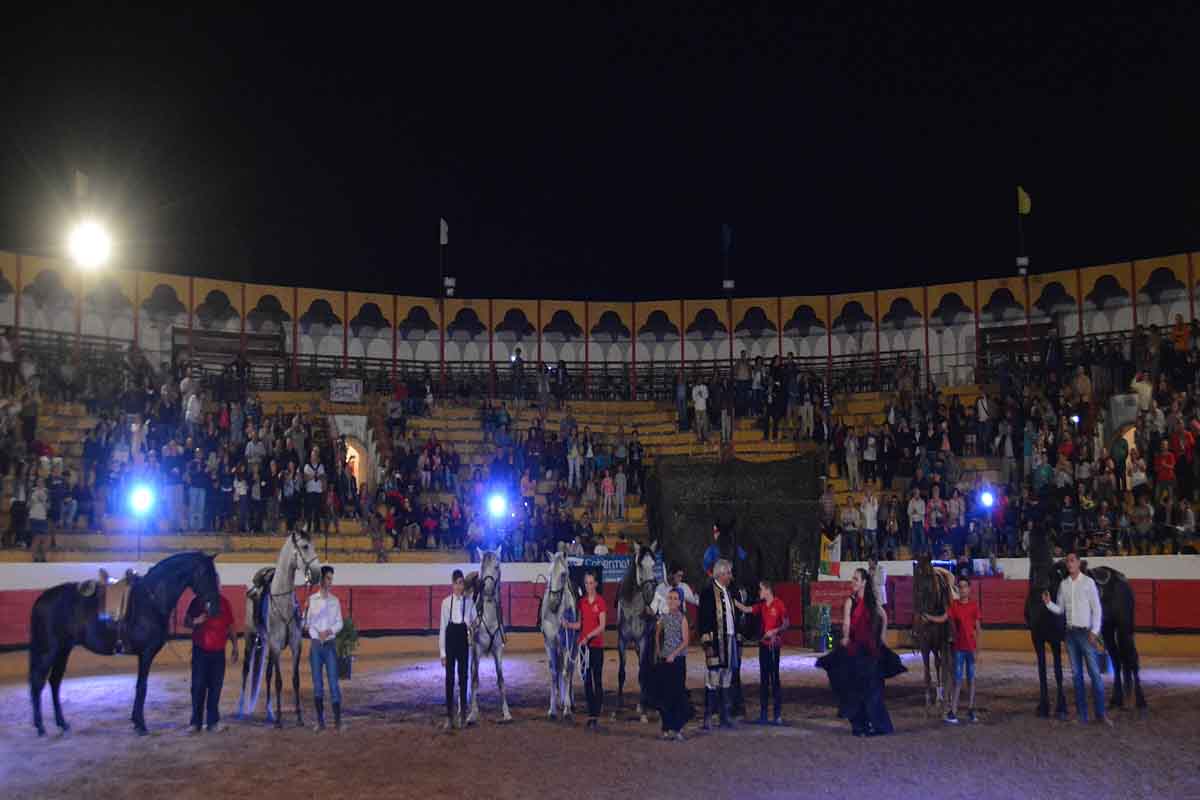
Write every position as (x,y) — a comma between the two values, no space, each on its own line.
(1079,601)
(322,621)
(916,523)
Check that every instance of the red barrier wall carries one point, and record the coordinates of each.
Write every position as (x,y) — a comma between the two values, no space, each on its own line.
(394,608)
(15,608)
(1177,605)
(1172,605)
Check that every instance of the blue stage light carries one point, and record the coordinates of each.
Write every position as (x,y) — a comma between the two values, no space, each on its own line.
(497,505)
(987,498)
(141,500)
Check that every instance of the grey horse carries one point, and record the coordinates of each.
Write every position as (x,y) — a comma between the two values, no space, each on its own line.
(487,635)
(559,604)
(279,623)
(635,623)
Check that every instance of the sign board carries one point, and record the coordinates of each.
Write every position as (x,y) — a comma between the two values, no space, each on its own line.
(345,390)
(613,567)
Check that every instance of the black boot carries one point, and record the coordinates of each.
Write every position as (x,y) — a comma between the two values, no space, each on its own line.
(337,716)
(762,705)
(709,703)
(726,699)
(320,704)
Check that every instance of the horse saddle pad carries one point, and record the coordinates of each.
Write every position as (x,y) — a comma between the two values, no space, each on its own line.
(113,596)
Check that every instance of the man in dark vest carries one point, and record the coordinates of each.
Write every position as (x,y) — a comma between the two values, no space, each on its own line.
(718,636)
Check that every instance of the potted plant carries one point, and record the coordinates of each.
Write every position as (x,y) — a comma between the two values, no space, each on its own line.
(346,643)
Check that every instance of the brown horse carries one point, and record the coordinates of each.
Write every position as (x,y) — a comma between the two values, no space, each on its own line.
(933,589)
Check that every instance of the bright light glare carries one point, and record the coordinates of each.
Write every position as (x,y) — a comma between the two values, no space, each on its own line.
(497,505)
(1075,418)
(987,499)
(141,499)
(90,245)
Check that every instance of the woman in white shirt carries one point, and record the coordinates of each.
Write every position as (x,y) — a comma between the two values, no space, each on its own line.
(38,501)
(458,616)
(322,621)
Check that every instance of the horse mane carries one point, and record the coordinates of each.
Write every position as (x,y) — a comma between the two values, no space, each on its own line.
(171,565)
(629,582)
(470,582)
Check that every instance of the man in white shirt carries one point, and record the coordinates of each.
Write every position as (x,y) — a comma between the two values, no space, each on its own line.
(314,486)
(458,616)
(673,583)
(700,406)
(1079,600)
(870,522)
(322,621)
(916,523)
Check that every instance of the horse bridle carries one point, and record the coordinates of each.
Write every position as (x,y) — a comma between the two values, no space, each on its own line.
(479,607)
(304,562)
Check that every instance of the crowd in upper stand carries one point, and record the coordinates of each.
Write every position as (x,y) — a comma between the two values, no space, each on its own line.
(1101,485)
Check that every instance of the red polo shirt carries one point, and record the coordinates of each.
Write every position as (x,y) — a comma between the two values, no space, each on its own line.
(211,634)
(772,615)
(589,617)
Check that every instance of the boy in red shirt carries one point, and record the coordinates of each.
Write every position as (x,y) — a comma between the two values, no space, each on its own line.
(773,618)
(964,615)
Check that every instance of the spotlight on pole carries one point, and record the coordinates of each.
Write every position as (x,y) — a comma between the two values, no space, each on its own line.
(141,500)
(89,245)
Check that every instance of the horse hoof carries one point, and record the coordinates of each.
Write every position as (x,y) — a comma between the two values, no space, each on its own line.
(141,730)
(64,728)
(41,732)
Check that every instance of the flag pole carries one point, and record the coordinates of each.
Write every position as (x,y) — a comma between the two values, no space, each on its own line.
(443,241)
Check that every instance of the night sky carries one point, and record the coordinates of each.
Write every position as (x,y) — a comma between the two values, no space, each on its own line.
(590,153)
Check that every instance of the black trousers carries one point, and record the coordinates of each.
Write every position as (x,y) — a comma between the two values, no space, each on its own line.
(768,679)
(208,676)
(594,685)
(312,510)
(673,698)
(456,658)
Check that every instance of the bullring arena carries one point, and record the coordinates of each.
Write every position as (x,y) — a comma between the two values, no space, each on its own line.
(393,744)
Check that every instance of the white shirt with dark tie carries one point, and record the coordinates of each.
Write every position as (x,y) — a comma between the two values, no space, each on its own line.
(454,610)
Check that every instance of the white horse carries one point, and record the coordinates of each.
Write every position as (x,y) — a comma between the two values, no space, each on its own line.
(559,604)
(487,635)
(635,623)
(278,625)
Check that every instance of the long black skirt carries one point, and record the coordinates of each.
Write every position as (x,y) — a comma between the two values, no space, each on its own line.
(857,684)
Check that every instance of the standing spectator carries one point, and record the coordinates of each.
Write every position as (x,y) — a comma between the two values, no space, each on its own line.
(1164,474)
(964,615)
(323,620)
(620,487)
(700,410)
(1079,601)
(870,523)
(39,502)
(827,513)
(607,489)
(851,448)
(314,488)
(209,634)
(916,522)
(773,621)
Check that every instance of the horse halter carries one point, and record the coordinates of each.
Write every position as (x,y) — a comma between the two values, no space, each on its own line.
(305,562)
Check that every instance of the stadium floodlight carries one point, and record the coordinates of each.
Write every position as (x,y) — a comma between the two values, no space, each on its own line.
(497,504)
(141,500)
(89,244)
(987,498)
(1074,419)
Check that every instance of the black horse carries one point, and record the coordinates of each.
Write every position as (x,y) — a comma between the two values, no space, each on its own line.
(63,617)
(1116,626)
(1045,627)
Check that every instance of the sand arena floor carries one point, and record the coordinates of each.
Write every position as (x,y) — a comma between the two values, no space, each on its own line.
(393,746)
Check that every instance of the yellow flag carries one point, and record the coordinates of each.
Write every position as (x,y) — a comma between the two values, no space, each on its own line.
(1024,204)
